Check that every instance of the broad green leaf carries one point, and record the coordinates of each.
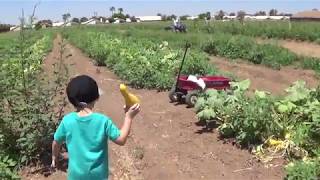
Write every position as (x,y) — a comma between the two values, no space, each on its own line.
(297,92)
(261,94)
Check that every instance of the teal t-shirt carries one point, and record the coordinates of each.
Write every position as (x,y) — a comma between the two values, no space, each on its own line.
(87,142)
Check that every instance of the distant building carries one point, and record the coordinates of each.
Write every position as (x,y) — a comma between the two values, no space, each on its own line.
(101,19)
(313,15)
(149,18)
(15,28)
(257,18)
(91,22)
(229,17)
(44,24)
(269,17)
(279,17)
(57,24)
(192,17)
(60,24)
(118,21)
(128,20)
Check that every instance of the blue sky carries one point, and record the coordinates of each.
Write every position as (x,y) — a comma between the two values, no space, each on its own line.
(10,10)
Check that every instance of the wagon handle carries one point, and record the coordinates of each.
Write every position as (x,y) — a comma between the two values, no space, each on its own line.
(188,45)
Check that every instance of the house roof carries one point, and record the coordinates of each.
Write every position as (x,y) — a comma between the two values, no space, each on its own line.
(90,20)
(148,18)
(307,14)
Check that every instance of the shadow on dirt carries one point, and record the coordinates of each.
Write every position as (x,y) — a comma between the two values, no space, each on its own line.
(207,127)
(45,161)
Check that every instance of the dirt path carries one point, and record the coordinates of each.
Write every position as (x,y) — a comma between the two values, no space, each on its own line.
(264,78)
(165,142)
(301,48)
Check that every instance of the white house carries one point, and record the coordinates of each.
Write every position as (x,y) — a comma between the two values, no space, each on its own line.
(91,22)
(149,18)
(258,18)
(128,20)
(229,17)
(15,28)
(268,17)
(57,24)
(279,17)
(248,17)
(192,17)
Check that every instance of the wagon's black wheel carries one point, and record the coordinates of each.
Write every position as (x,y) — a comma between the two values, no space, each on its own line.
(191,98)
(173,96)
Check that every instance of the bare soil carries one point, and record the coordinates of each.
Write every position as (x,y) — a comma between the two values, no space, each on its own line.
(299,47)
(166,141)
(264,78)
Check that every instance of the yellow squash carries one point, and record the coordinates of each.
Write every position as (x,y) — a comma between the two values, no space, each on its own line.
(273,142)
(129,98)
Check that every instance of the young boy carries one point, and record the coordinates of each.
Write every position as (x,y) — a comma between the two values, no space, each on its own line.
(86,133)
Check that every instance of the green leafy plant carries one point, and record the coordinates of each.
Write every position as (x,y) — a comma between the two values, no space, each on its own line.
(143,63)
(28,103)
(287,126)
(306,169)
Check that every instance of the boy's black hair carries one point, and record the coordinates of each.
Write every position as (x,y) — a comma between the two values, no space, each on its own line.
(82,90)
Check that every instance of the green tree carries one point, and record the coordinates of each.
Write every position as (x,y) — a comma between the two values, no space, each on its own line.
(232,14)
(84,19)
(184,17)
(4,27)
(66,17)
(208,15)
(273,12)
(112,9)
(133,19)
(202,15)
(260,13)
(75,20)
(163,17)
(111,20)
(120,10)
(173,17)
(240,16)
(119,15)
(220,15)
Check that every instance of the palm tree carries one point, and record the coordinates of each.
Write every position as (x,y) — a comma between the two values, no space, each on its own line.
(241,14)
(273,12)
(112,9)
(66,17)
(120,10)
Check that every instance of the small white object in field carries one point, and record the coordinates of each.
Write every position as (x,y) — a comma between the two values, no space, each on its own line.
(199,81)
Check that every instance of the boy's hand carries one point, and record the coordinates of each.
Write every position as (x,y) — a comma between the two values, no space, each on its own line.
(132,111)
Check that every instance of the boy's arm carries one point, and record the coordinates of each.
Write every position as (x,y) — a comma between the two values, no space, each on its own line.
(125,129)
(55,153)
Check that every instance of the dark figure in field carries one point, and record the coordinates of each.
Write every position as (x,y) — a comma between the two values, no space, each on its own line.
(178,28)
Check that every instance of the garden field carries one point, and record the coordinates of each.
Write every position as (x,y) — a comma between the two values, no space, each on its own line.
(266,127)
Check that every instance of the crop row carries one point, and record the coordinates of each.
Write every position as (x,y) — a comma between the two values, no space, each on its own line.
(238,46)
(141,62)
(25,118)
(304,31)
(287,126)
(218,43)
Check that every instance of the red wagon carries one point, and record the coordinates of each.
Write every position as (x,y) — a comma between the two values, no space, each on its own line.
(189,90)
